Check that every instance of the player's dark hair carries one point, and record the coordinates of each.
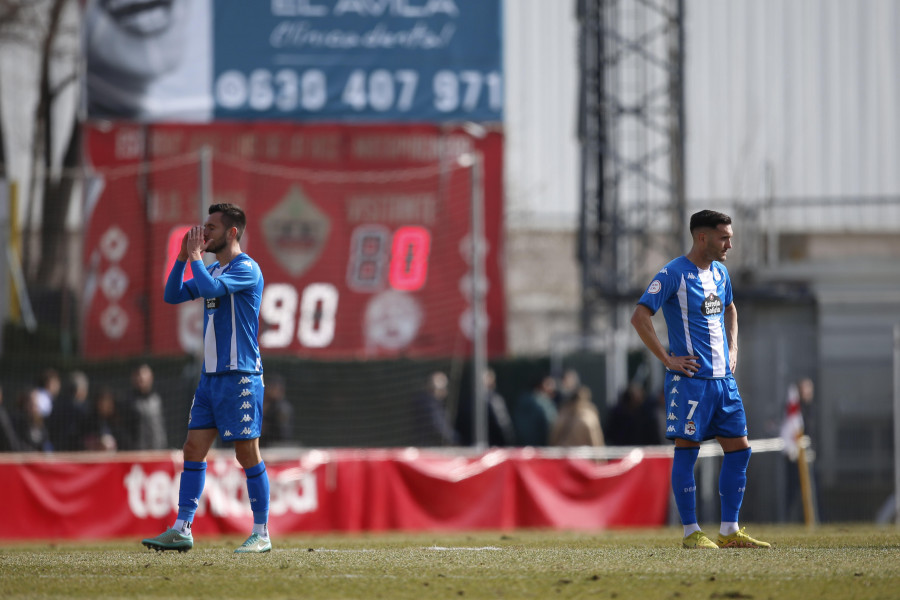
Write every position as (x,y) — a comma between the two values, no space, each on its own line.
(708,219)
(232,216)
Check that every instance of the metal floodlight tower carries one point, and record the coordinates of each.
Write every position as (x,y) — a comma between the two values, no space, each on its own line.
(631,134)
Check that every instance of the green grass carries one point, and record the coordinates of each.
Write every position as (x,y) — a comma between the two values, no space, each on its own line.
(831,562)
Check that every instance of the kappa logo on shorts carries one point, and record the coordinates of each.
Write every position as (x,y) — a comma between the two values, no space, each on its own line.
(246,419)
(676,377)
(673,405)
(246,431)
(671,417)
(244,380)
(227,434)
(245,392)
(245,406)
(670,429)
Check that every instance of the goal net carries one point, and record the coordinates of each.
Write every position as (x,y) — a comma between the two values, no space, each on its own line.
(364,238)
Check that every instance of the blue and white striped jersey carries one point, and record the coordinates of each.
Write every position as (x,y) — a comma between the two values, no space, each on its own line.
(232,294)
(693,302)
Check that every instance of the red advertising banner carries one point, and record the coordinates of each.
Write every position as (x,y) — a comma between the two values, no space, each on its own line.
(363,235)
(132,494)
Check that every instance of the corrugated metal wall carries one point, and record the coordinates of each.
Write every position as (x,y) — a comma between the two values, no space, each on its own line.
(541,102)
(795,99)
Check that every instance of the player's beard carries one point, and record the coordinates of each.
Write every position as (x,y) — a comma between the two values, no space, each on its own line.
(214,246)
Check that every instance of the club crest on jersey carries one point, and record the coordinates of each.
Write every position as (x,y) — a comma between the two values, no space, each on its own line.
(712,305)
(212,303)
(655,286)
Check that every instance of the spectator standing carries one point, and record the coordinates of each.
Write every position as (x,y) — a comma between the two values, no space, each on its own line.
(632,421)
(9,438)
(569,384)
(278,414)
(430,413)
(145,411)
(501,431)
(107,430)
(535,413)
(30,425)
(48,386)
(578,423)
(69,421)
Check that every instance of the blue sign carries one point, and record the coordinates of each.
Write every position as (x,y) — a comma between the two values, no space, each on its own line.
(358,60)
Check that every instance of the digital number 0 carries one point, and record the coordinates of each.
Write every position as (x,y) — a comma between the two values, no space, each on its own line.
(409,258)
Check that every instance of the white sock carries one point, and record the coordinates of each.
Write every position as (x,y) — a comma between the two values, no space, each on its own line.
(689,529)
(182,526)
(261,529)
(727,528)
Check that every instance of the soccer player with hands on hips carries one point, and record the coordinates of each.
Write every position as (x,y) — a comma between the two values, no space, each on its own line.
(702,398)
(228,401)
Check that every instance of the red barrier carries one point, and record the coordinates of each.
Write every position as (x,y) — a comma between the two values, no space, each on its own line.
(135,494)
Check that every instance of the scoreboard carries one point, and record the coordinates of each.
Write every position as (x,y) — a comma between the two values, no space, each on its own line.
(362,234)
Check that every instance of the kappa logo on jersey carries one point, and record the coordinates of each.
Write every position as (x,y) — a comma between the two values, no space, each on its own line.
(691,276)
(244,380)
(227,433)
(247,264)
(655,286)
(690,428)
(245,406)
(671,417)
(664,270)
(212,303)
(246,418)
(245,392)
(712,305)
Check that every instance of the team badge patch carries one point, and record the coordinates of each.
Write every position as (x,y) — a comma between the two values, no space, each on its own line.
(690,428)
(655,286)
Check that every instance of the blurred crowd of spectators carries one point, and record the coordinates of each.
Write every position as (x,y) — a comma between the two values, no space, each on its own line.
(66,413)
(59,414)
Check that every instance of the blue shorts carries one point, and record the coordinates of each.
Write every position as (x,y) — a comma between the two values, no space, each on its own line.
(231,403)
(701,409)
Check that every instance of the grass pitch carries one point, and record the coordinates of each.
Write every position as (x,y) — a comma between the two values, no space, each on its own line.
(830,562)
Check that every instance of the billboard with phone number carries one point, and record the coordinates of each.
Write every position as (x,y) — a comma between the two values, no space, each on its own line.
(363,235)
(301,60)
